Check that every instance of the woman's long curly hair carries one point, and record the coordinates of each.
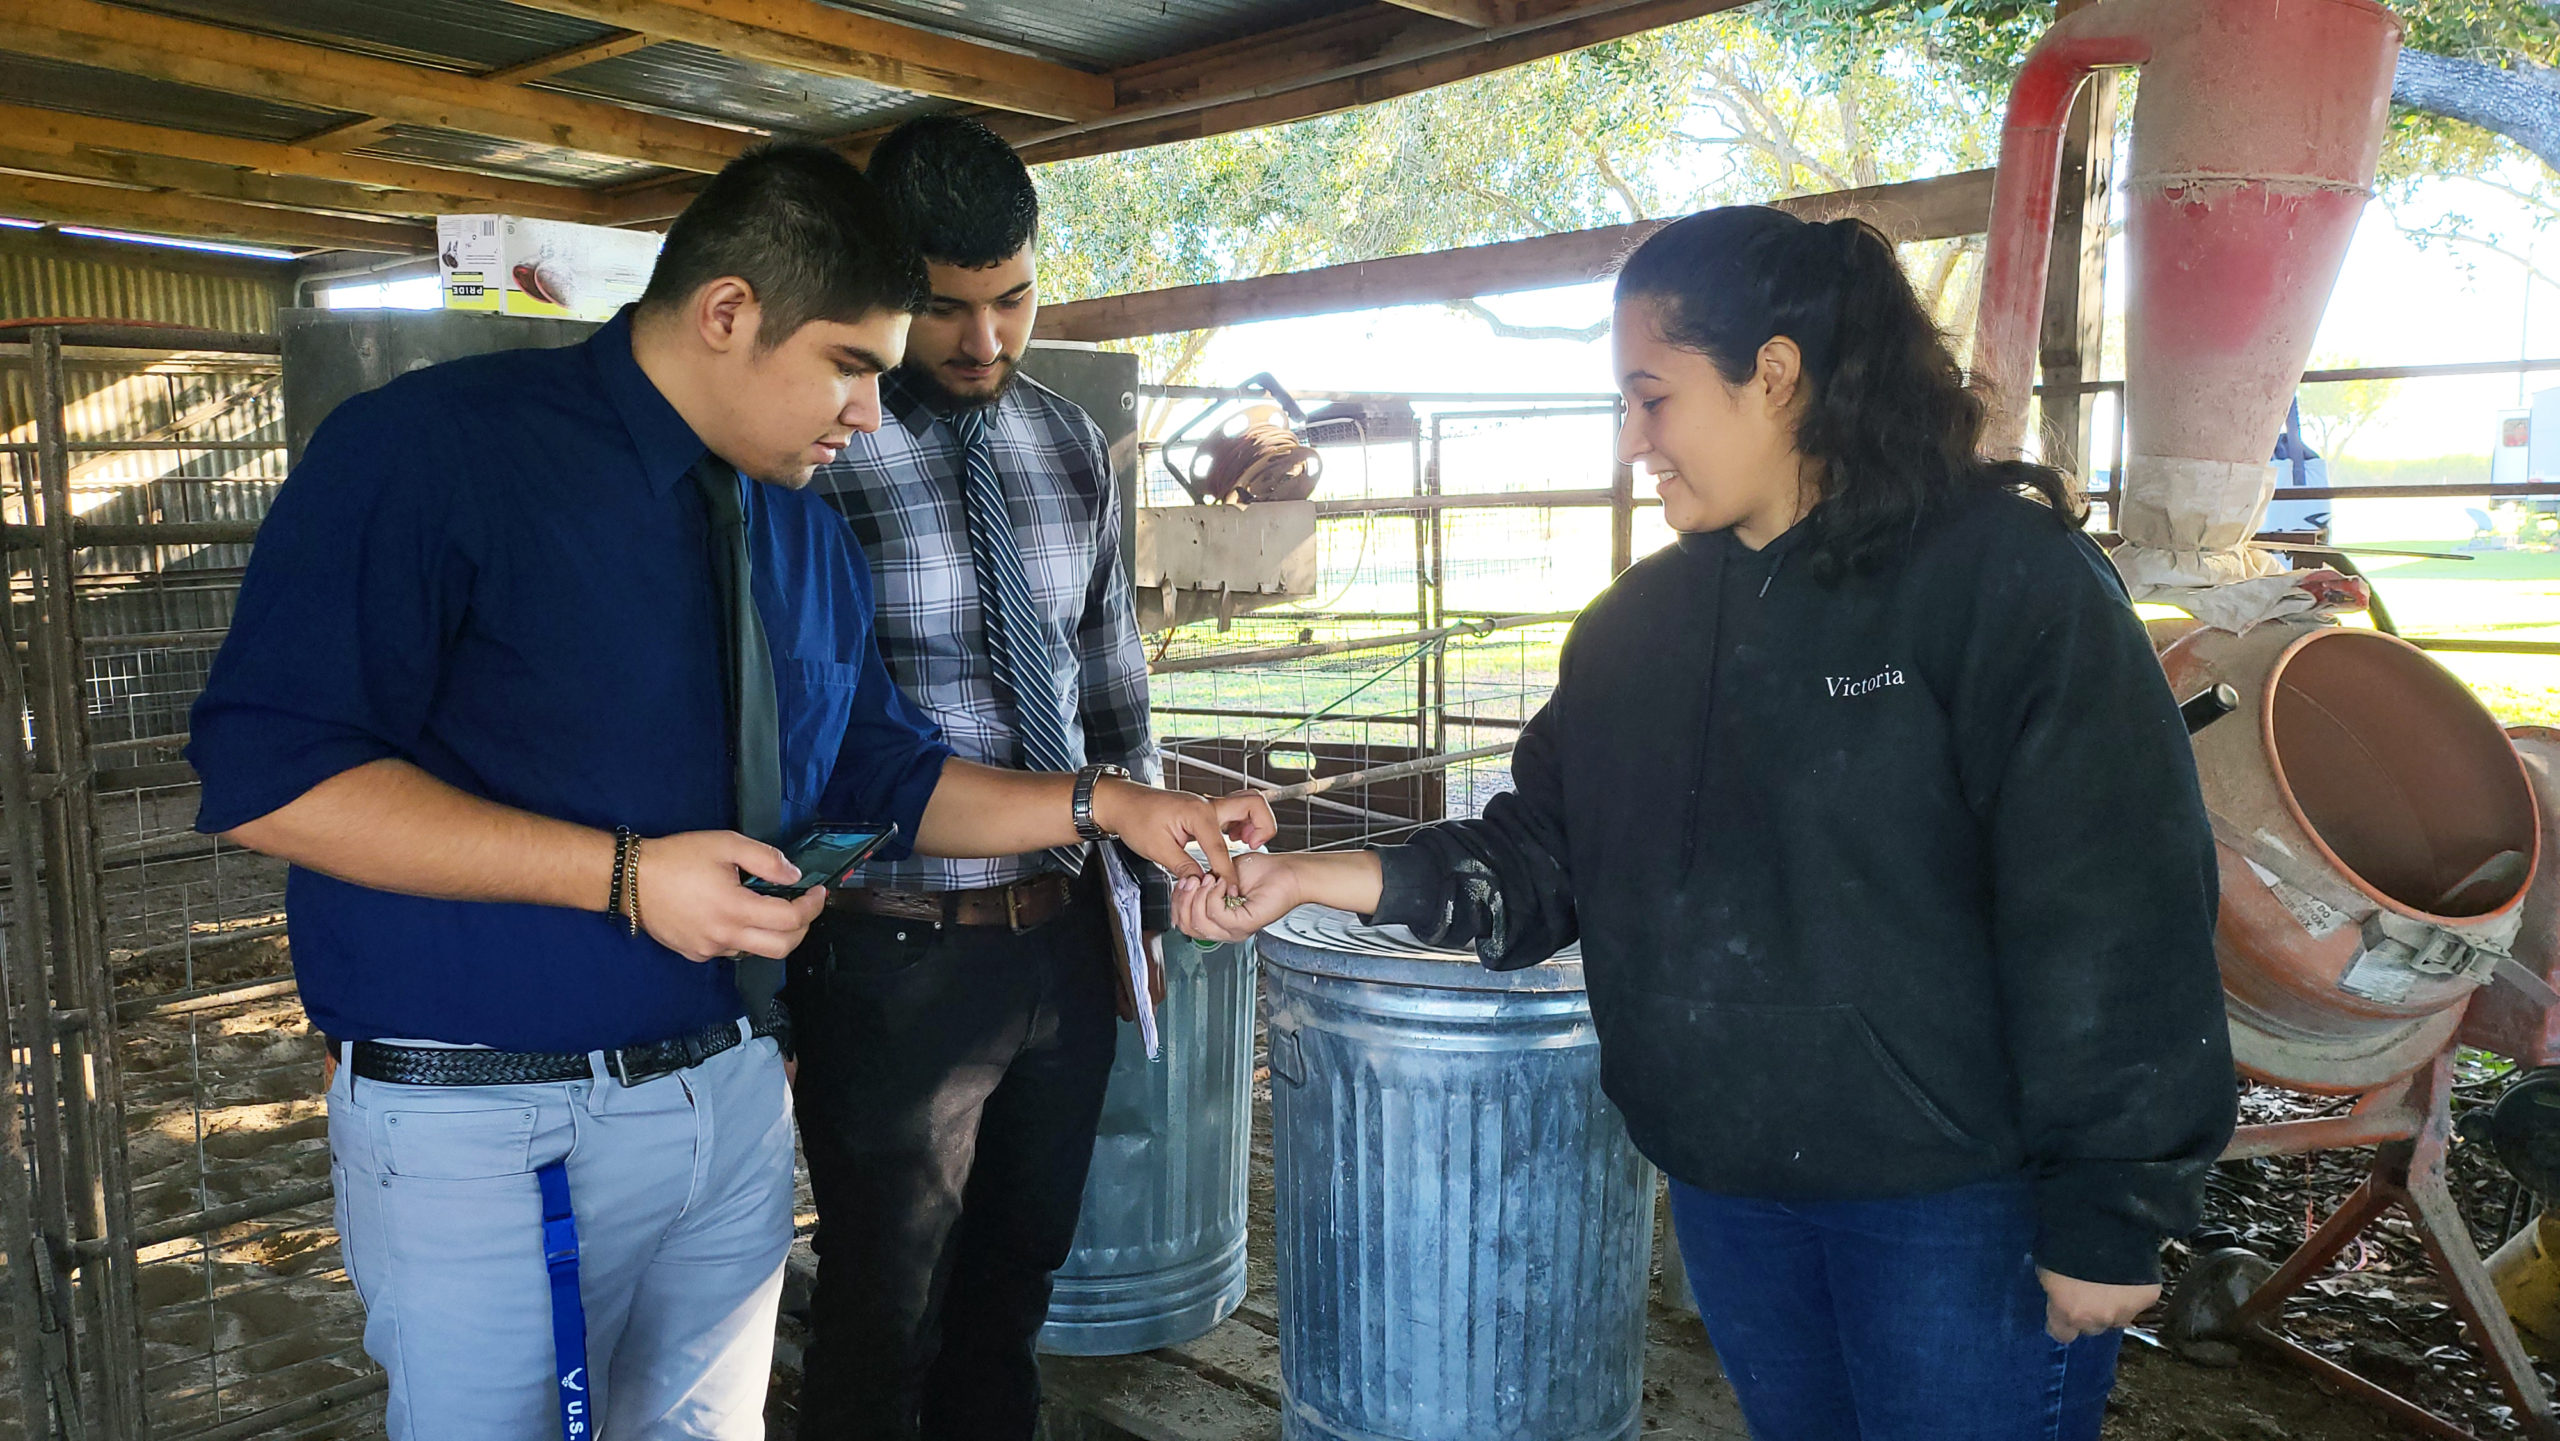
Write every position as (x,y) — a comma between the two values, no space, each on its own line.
(1887,415)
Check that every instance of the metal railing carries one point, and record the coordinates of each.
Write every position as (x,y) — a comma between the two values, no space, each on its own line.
(142,1058)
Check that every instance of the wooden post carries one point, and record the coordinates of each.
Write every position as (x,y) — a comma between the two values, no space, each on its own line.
(1426,668)
(1622,501)
(2075,292)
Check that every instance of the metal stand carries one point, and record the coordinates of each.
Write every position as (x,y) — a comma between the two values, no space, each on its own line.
(2412,1121)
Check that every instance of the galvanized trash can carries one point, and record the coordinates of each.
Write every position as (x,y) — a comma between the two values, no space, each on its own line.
(1465,1232)
(1159,1252)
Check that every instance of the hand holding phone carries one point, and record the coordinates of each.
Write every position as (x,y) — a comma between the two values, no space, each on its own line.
(825,854)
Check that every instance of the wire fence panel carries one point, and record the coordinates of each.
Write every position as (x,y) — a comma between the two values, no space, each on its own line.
(244,1307)
(1385,666)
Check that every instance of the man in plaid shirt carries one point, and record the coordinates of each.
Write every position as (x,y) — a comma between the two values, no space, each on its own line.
(955,1018)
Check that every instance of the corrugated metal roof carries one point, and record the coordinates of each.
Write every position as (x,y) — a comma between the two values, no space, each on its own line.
(453,34)
(669,78)
(46,276)
(114,95)
(693,82)
(1100,34)
(457,150)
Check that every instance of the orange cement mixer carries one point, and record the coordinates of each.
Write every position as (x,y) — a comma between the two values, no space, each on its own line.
(2378,836)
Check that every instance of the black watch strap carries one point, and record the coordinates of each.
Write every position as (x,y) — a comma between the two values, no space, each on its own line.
(1086,779)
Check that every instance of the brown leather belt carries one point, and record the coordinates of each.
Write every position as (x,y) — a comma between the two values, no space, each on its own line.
(1032,901)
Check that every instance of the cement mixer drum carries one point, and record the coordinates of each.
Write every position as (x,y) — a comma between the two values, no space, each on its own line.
(2376,838)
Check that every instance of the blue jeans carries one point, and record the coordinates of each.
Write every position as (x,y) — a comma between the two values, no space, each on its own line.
(1913,1319)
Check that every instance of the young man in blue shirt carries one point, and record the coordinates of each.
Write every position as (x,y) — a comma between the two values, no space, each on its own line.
(519,646)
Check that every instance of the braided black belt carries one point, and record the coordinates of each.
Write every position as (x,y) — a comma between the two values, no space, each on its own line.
(631,1065)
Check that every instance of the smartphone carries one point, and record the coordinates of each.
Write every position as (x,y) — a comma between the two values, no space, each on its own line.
(825,854)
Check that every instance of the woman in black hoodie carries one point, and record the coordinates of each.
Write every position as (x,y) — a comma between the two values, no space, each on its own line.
(1880,831)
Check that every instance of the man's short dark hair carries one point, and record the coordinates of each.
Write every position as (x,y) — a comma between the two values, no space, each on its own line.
(804,227)
(963,192)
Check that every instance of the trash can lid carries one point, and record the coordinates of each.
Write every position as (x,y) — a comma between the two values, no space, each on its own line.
(1319,940)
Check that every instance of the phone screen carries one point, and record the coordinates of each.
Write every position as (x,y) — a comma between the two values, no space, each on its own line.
(824,854)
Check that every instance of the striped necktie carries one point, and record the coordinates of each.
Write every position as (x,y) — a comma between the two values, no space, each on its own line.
(1017,644)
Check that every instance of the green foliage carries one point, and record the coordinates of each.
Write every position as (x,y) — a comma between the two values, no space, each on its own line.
(2497,32)
(1722,109)
(1522,152)
(1982,41)
(1788,97)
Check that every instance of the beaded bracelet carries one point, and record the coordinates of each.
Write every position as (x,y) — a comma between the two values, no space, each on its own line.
(621,859)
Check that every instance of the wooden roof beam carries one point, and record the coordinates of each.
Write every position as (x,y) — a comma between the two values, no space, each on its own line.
(824,40)
(365,129)
(1354,58)
(354,135)
(1932,209)
(1481,14)
(1358,58)
(586,52)
(213,182)
(1356,42)
(152,212)
(161,47)
(222,167)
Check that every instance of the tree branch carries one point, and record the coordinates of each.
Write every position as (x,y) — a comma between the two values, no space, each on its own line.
(1767,129)
(2520,105)
(1508,331)
(2539,202)
(1617,183)
(2456,237)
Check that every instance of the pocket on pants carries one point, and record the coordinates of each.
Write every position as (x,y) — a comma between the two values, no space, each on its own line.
(879,949)
(471,1145)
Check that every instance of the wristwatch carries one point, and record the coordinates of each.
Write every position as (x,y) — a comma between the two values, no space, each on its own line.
(1085,781)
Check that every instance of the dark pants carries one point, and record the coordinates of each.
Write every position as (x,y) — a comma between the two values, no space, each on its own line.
(950,1081)
(1915,1319)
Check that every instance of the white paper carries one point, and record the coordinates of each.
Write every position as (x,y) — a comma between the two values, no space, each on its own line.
(1133,940)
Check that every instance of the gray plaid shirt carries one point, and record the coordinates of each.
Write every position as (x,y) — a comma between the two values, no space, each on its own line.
(901,489)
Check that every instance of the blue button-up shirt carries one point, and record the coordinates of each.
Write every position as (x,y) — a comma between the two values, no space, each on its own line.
(497,570)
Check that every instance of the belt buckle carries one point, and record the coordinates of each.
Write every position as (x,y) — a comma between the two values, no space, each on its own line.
(1013,906)
(619,1063)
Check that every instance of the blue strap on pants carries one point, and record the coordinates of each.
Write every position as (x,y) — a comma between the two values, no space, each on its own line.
(568,1311)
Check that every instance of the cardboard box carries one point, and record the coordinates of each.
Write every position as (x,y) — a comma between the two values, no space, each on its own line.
(513,265)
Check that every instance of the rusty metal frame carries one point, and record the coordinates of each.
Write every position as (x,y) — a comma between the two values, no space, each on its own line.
(2412,1123)
(62,1011)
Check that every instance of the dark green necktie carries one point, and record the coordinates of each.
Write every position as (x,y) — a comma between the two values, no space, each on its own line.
(755,720)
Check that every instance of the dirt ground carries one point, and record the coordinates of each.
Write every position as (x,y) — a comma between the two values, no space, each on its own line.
(222,1105)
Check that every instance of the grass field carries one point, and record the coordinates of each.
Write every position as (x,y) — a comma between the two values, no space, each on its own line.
(2497,595)
(2501,595)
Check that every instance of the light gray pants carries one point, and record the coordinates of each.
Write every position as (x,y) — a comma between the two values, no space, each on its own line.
(682,1188)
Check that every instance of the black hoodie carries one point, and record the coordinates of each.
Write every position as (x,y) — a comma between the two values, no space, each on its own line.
(1884,887)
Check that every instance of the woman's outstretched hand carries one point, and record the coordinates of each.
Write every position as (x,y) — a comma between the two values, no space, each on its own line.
(1269,887)
(1266,889)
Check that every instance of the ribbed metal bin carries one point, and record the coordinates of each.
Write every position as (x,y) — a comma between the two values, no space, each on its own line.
(1465,1231)
(1159,1254)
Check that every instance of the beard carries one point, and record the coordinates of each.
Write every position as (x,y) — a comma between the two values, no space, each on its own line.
(928,380)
